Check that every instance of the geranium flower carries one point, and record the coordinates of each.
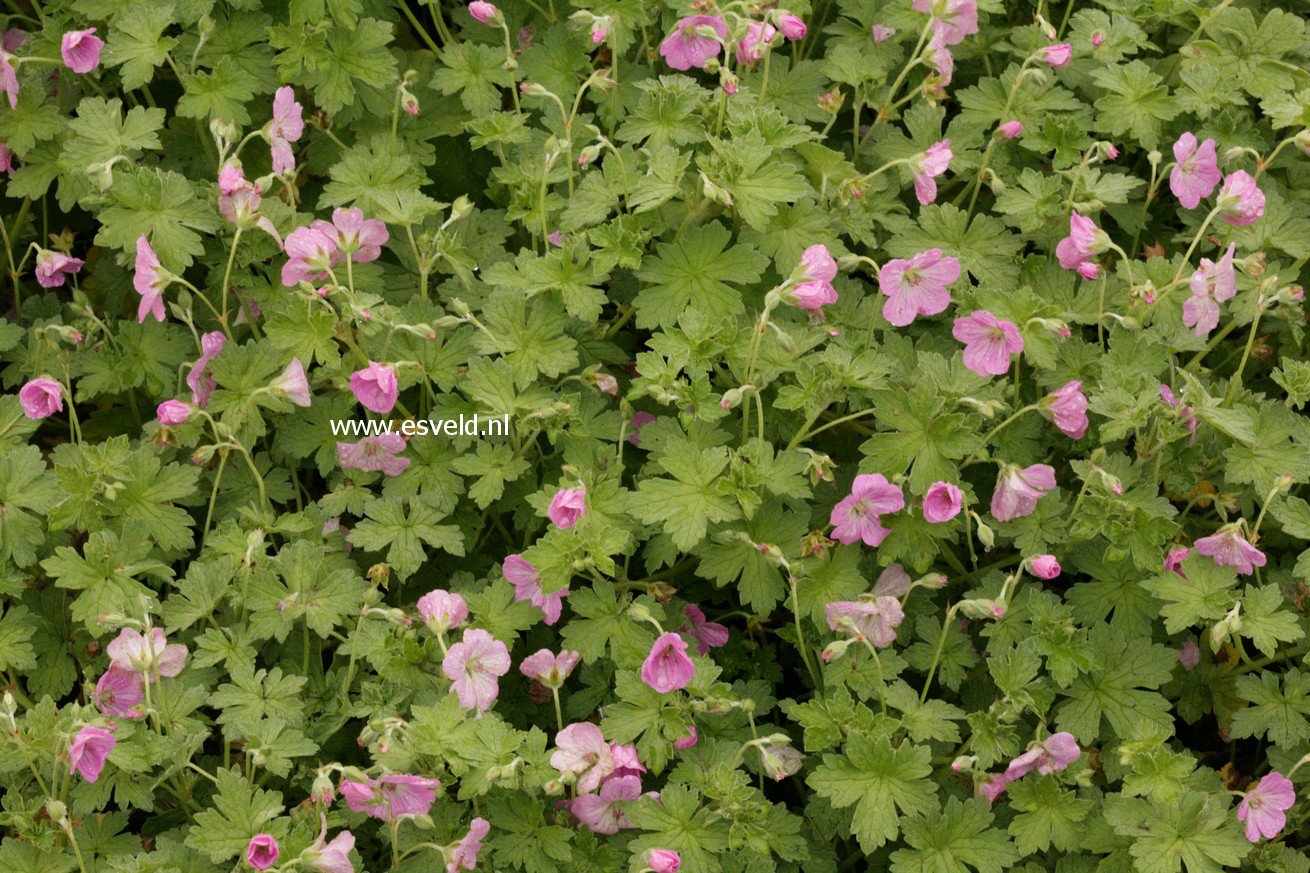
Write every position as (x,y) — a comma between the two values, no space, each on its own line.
(374,454)
(1211,285)
(689,740)
(487,13)
(992,787)
(927,166)
(153,655)
(1228,548)
(1174,560)
(667,668)
(199,380)
(391,796)
(942,502)
(1241,201)
(1019,488)
(548,668)
(52,268)
(333,857)
(1084,242)
(988,342)
(1045,567)
(81,50)
(1058,55)
(8,77)
(527,586)
(1053,754)
(352,234)
(293,384)
(1010,129)
(779,762)
(663,861)
(150,280)
(626,761)
(41,398)
(639,420)
(939,58)
(881,33)
(751,48)
(1066,408)
(474,666)
(686,48)
(463,854)
(118,692)
(792,27)
(1196,172)
(604,812)
(956,18)
(311,254)
(707,634)
(858,516)
(1264,808)
(875,619)
(442,610)
(917,286)
(567,506)
(286,127)
(581,750)
(375,387)
(262,851)
(1189,655)
(88,751)
(893,581)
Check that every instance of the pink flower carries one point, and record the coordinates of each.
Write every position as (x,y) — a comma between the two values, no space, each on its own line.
(442,610)
(1174,560)
(548,668)
(707,634)
(1045,567)
(1211,285)
(1189,655)
(311,254)
(858,516)
(374,454)
(199,380)
(293,384)
(333,857)
(812,296)
(1187,413)
(893,581)
(81,50)
(1058,55)
(474,666)
(173,412)
(917,286)
(881,33)
(598,33)
(375,387)
(639,420)
(752,46)
(1097,39)
(792,27)
(262,852)
(688,741)
(391,796)
(581,750)
(6,159)
(1228,548)
(53,267)
(957,18)
(626,761)
(938,56)
(994,787)
(1067,409)
(1240,200)
(942,502)
(1264,808)
(353,235)
(1085,241)
(817,265)
(1019,488)
(150,655)
(1197,170)
(527,586)
(927,166)
(1053,754)
(9,78)
(567,506)
(41,398)
(604,813)
(88,751)
(663,861)
(988,342)
(779,762)
(118,692)
(286,127)
(686,48)
(875,620)
(464,854)
(667,667)
(150,281)
(487,13)
(1010,129)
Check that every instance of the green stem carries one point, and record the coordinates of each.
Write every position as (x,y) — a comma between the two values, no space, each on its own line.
(1231,393)
(937,654)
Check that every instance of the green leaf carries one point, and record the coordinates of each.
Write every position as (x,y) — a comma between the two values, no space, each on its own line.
(402,533)
(101,132)
(28,491)
(137,42)
(1281,710)
(887,786)
(698,272)
(1048,816)
(17,625)
(694,497)
(677,821)
(240,811)
(960,839)
(220,93)
(494,464)
(1265,623)
(1138,104)
(1199,833)
(1120,686)
(163,205)
(1202,593)
(475,73)
(984,247)
(357,54)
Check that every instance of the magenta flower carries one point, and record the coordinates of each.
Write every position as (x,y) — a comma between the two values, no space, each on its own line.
(150,280)
(604,812)
(118,692)
(391,796)
(1197,171)
(548,668)
(354,235)
(1228,548)
(956,18)
(286,127)
(1058,55)
(333,857)
(487,13)
(173,412)
(311,254)
(52,268)
(988,342)
(581,750)
(1019,488)
(474,666)
(1189,655)
(858,515)
(917,286)
(688,741)
(262,851)
(686,47)
(1010,129)
(374,454)
(292,384)
(639,420)
(893,581)
(707,634)
(1241,201)
(663,861)
(1084,242)
(464,853)
(527,586)
(1045,567)
(81,50)
(198,379)
(667,667)
(1211,285)
(375,387)
(1053,754)
(9,78)
(942,502)
(567,506)
(153,656)
(88,751)
(1264,808)
(442,610)
(875,620)
(751,48)
(1174,560)
(41,398)
(792,27)
(1067,409)
(927,166)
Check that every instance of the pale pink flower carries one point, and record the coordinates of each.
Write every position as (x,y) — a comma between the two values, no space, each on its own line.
(464,853)
(893,581)
(817,265)
(752,46)
(667,667)
(875,620)
(988,342)
(707,634)
(286,127)
(567,506)
(1228,548)
(1053,754)
(1097,39)
(927,166)
(685,48)
(1085,241)
(1067,409)
(391,796)
(939,58)
(556,239)
(663,861)
(6,159)
(1196,172)
(1045,567)
(474,666)
(1010,129)
(199,379)
(442,611)
(812,296)
(311,253)
(88,751)
(626,761)
(1057,55)
(993,787)
(598,33)
(858,515)
(1264,808)
(639,420)
(881,33)
(1189,655)
(1240,200)
(957,18)
(81,50)
(352,234)
(293,384)
(153,655)
(581,750)
(1174,560)
(333,857)
(1019,488)
(792,27)
(41,398)
(527,586)
(688,741)
(118,692)
(52,268)
(1187,413)
(375,387)
(1216,280)
(604,812)
(917,286)
(486,13)
(548,668)
(942,502)
(779,762)
(374,454)
(9,78)
(262,851)
(150,280)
